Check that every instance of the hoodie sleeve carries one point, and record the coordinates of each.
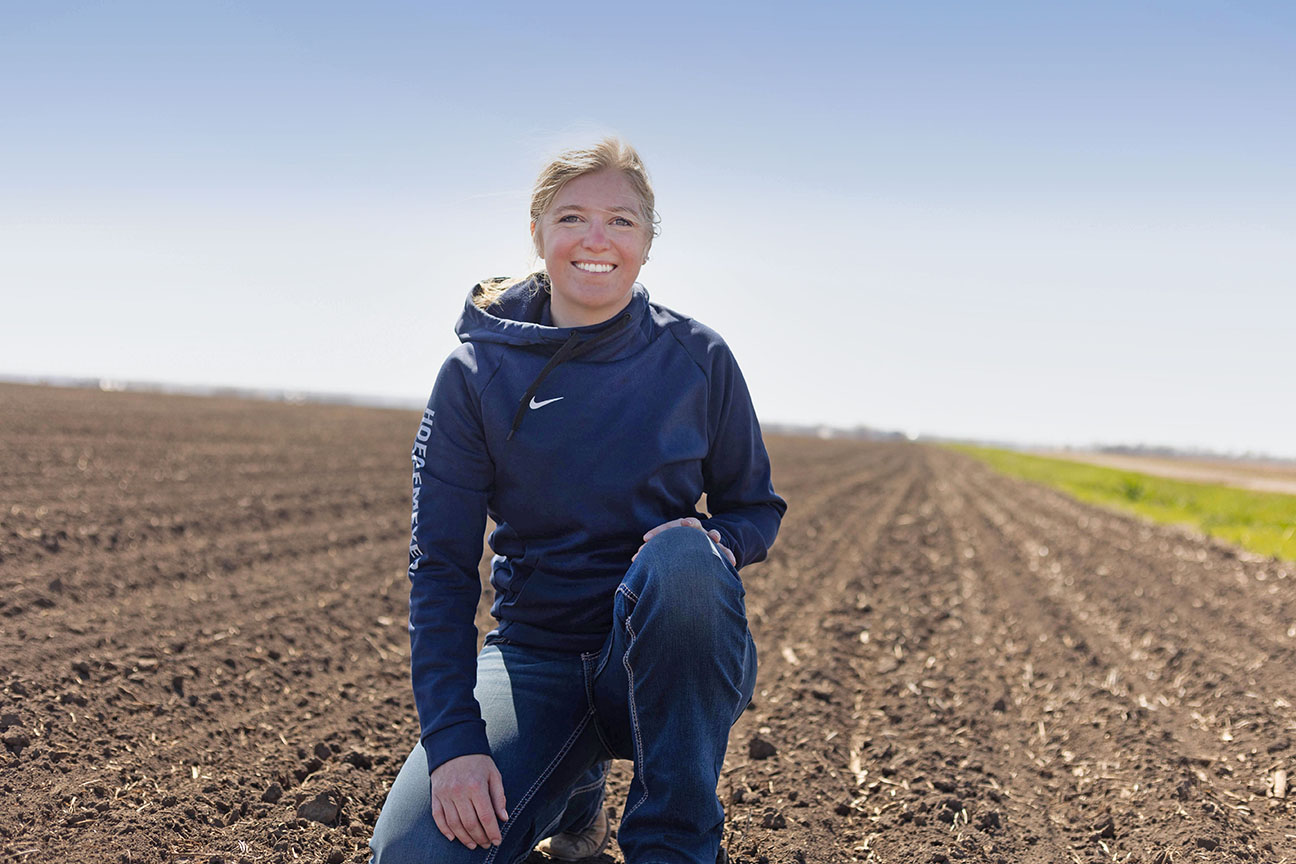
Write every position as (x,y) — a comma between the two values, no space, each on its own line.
(452,478)
(736,472)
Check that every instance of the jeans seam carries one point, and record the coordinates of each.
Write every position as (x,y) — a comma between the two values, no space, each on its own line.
(550,830)
(602,662)
(539,781)
(599,785)
(588,659)
(641,772)
(589,699)
(589,788)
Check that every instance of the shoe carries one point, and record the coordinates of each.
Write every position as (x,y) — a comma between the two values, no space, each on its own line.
(579,845)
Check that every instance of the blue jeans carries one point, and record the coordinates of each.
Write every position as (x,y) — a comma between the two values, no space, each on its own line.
(675,673)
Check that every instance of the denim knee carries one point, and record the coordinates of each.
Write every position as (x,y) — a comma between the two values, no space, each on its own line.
(682,581)
(679,557)
(416,847)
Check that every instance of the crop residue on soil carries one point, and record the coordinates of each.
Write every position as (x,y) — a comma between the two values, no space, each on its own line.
(203,655)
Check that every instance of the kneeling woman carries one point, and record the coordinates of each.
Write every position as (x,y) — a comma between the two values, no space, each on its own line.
(587,422)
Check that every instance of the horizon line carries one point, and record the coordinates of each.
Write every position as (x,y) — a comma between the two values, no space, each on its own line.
(294,396)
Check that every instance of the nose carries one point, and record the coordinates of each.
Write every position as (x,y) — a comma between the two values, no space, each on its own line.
(596,237)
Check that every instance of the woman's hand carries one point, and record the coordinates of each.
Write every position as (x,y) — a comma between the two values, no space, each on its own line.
(468,800)
(689,522)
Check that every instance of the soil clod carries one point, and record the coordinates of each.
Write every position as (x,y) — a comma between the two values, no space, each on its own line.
(760,748)
(323,808)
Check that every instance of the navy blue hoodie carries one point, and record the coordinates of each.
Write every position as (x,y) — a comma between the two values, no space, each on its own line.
(575,441)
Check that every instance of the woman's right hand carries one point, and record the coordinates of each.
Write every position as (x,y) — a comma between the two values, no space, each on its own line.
(687,522)
(468,800)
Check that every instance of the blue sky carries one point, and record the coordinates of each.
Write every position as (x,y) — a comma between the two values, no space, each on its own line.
(1050,223)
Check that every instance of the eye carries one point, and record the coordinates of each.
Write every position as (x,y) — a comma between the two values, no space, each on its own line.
(570,217)
(623,222)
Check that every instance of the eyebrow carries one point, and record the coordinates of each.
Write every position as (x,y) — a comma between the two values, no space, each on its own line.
(578,209)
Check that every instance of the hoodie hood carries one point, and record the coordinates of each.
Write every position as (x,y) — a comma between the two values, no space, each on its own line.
(521,318)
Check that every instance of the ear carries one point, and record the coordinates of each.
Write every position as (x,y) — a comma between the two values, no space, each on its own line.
(537,242)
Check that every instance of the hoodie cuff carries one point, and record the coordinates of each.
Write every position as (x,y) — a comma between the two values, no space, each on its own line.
(462,739)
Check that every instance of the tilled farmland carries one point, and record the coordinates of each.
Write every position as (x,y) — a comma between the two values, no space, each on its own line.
(203,653)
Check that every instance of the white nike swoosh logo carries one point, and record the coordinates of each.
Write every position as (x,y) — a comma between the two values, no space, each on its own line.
(535,404)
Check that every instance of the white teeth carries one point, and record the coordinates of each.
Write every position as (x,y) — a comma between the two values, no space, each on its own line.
(594,268)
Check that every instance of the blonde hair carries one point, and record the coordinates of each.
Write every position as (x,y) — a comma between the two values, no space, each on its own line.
(610,153)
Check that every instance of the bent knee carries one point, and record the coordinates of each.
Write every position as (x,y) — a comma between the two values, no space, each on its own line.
(682,570)
(402,837)
(684,550)
(417,847)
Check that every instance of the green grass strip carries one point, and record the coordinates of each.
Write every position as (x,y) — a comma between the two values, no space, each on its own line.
(1264,522)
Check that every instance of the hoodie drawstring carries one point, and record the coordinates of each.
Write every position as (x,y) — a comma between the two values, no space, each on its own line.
(570,350)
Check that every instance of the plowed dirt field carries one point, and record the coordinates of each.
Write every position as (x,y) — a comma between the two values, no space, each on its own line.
(203,655)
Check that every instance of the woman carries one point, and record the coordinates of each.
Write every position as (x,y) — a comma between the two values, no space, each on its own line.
(587,422)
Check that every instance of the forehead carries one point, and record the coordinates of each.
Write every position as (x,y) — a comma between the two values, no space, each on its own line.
(608,189)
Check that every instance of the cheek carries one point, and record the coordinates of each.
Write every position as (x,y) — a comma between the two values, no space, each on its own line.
(640,251)
(550,247)
(561,241)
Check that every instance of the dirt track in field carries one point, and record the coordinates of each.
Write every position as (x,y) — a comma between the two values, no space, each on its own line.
(202,607)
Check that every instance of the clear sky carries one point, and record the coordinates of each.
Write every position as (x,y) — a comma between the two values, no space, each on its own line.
(1058,223)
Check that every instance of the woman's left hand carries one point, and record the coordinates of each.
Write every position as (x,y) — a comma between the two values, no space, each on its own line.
(689,522)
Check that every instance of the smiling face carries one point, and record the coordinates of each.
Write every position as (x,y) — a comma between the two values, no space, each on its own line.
(593,239)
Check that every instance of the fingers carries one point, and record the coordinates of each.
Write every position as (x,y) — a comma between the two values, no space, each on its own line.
(439,817)
(733,562)
(486,820)
(451,824)
(688,522)
(470,831)
(467,795)
(496,786)
(719,542)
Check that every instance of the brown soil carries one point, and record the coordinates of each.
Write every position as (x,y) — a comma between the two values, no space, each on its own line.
(202,653)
